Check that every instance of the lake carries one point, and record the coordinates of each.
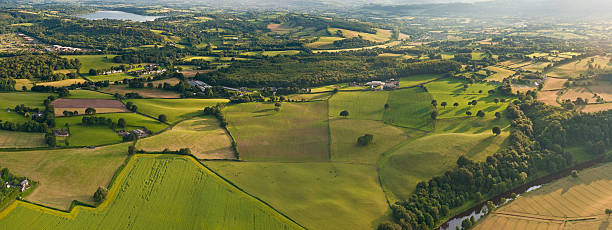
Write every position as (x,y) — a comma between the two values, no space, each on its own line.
(118,15)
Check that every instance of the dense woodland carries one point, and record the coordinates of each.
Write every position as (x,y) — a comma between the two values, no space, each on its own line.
(35,66)
(307,71)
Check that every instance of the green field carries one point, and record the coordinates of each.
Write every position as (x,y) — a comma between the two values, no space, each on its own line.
(147,195)
(94,62)
(316,195)
(10,100)
(456,86)
(88,94)
(174,109)
(111,77)
(368,105)
(65,175)
(21,139)
(344,134)
(418,79)
(410,108)
(203,136)
(298,132)
(84,135)
(500,73)
(271,53)
(430,156)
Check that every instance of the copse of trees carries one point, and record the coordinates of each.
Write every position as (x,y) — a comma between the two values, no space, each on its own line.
(365,139)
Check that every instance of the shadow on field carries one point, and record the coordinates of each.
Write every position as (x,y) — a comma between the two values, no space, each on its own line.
(604,225)
(481,146)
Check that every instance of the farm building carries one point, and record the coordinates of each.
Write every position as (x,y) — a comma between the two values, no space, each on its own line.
(61,133)
(25,184)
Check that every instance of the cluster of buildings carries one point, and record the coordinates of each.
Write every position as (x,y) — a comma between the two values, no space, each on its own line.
(23,185)
(147,70)
(140,133)
(384,85)
(59,48)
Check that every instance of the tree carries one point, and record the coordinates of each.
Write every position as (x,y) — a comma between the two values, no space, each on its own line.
(93,72)
(443,104)
(386,106)
(496,130)
(344,113)
(496,100)
(365,139)
(434,115)
(131,150)
(162,118)
(185,151)
(474,102)
(90,111)
(434,103)
(389,226)
(480,113)
(608,212)
(121,123)
(455,104)
(497,115)
(468,113)
(277,104)
(100,194)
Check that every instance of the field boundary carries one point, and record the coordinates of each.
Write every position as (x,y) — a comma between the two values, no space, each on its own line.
(114,186)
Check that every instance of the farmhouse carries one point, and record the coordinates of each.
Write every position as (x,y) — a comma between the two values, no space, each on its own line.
(61,133)
(25,184)
(140,133)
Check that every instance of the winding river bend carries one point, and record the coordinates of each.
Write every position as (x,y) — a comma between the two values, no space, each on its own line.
(480,210)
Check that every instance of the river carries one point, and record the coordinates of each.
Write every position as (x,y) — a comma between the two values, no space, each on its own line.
(118,15)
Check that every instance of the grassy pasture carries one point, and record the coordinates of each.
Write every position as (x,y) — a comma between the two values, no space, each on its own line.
(88,62)
(88,94)
(367,105)
(204,136)
(593,108)
(67,174)
(575,69)
(272,53)
(536,67)
(549,97)
(298,132)
(20,83)
(10,100)
(145,92)
(409,108)
(500,73)
(485,103)
(418,79)
(174,109)
(83,135)
(321,195)
(574,93)
(344,134)
(456,86)
(340,87)
(62,83)
(603,89)
(380,36)
(568,198)
(554,83)
(310,96)
(426,157)
(323,42)
(21,139)
(146,189)
(111,77)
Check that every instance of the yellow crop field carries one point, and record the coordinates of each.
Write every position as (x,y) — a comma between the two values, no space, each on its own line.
(569,203)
